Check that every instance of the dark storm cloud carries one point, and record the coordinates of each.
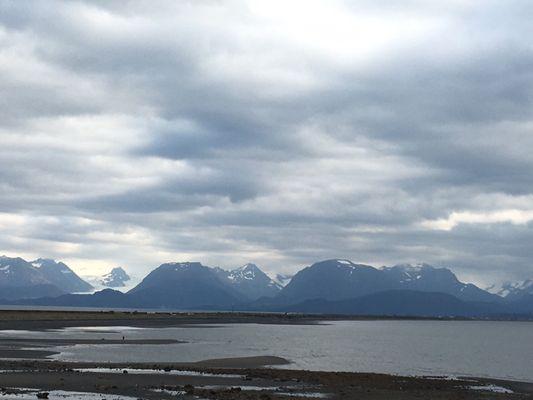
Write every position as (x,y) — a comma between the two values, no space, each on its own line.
(238,131)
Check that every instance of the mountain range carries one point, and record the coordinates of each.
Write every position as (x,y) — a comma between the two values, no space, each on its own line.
(342,279)
(42,277)
(335,286)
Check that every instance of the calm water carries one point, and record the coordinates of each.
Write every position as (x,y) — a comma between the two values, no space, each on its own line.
(476,348)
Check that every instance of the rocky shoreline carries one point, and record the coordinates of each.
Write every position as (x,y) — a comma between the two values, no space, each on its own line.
(225,379)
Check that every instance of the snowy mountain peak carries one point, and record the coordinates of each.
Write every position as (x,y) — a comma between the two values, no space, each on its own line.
(17,272)
(246,272)
(44,260)
(526,285)
(61,275)
(116,278)
(343,265)
(344,262)
(419,267)
(512,289)
(340,263)
(423,272)
(249,267)
(51,264)
(250,281)
(177,266)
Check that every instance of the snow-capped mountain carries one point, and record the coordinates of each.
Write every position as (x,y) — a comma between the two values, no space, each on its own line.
(117,277)
(250,281)
(512,290)
(15,271)
(61,275)
(191,284)
(340,279)
(43,277)
(331,286)
(335,279)
(427,278)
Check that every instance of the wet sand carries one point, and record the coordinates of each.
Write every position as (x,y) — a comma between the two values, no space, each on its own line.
(25,348)
(166,381)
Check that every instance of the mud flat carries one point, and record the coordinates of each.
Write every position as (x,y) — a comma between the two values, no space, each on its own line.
(221,379)
(42,320)
(25,373)
(53,319)
(25,348)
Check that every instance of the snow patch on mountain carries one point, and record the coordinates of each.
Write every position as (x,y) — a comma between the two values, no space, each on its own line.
(41,277)
(250,281)
(345,262)
(282,279)
(246,272)
(117,278)
(512,289)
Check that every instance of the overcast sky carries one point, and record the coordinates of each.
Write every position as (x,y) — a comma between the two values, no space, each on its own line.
(134,133)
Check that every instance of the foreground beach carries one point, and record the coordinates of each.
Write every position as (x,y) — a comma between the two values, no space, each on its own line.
(25,371)
(204,380)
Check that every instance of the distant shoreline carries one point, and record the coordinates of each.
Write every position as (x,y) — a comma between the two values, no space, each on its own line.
(32,319)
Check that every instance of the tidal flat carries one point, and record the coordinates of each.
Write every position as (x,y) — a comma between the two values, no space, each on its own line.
(35,347)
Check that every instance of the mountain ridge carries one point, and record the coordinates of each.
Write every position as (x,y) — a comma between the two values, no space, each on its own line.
(250,281)
(334,285)
(184,285)
(61,275)
(41,277)
(512,290)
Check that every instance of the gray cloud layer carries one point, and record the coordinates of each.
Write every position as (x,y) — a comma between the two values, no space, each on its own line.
(135,134)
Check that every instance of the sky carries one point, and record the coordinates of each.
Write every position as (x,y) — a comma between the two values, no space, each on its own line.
(134,133)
